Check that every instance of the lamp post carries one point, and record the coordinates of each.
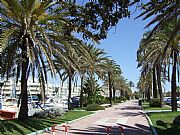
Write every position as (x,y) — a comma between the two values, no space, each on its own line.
(1,98)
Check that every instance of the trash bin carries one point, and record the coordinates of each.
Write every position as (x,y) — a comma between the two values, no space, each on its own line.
(140,102)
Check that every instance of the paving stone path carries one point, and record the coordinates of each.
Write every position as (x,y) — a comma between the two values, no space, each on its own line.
(128,115)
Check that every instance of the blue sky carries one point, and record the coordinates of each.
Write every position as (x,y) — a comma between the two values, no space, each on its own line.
(122,44)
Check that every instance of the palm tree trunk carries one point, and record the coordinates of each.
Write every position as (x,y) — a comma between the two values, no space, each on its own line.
(173,85)
(114,93)
(148,92)
(154,84)
(81,94)
(159,83)
(23,113)
(69,94)
(110,88)
(122,93)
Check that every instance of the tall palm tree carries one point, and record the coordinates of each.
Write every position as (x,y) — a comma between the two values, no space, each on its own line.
(31,36)
(96,62)
(113,78)
(162,12)
(113,71)
(154,53)
(131,84)
(70,65)
(151,56)
(25,35)
(82,62)
(145,85)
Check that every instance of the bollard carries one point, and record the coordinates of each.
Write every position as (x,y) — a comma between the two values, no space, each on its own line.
(53,129)
(108,129)
(65,129)
(121,130)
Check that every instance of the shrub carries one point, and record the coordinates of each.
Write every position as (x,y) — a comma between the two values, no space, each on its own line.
(176,121)
(145,100)
(155,102)
(117,99)
(52,113)
(102,100)
(123,98)
(161,123)
(94,107)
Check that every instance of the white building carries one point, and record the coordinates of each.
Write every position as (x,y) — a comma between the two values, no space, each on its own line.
(10,88)
(105,92)
(63,91)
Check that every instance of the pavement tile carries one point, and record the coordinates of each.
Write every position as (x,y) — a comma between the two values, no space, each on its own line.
(127,115)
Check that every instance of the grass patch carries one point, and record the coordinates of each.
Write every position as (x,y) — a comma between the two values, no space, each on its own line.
(167,127)
(14,127)
(80,108)
(146,107)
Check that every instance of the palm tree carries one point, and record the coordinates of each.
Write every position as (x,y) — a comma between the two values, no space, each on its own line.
(145,85)
(69,65)
(162,12)
(131,84)
(82,62)
(113,78)
(31,36)
(113,72)
(150,55)
(96,62)
(154,54)
(92,95)
(25,36)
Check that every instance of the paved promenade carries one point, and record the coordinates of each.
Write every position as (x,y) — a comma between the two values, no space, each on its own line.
(128,115)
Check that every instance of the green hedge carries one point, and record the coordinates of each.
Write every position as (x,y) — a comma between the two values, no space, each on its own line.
(94,107)
(155,102)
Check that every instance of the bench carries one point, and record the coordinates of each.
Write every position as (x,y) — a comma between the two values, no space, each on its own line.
(4,114)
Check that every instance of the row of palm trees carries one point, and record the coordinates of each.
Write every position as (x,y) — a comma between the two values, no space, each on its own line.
(156,56)
(37,37)
(90,63)
(35,41)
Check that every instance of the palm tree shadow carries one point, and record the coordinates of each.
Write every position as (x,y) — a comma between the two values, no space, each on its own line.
(138,129)
(31,125)
(10,127)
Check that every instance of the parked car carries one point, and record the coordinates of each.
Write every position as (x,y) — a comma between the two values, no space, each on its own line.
(33,101)
(178,103)
(168,101)
(10,102)
(165,99)
(50,102)
(76,101)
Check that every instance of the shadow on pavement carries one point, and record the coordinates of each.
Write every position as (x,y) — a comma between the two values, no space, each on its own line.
(129,114)
(138,130)
(101,130)
(128,108)
(89,131)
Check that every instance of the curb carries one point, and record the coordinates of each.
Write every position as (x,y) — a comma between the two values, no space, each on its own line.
(49,128)
(151,125)
(40,131)
(154,132)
